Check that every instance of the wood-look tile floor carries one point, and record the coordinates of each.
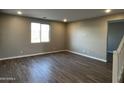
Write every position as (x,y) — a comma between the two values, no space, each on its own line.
(63,67)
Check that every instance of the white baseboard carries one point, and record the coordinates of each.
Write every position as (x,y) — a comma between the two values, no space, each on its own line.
(30,55)
(87,56)
(53,52)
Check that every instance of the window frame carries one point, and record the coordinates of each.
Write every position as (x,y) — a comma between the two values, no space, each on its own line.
(40,33)
(49,32)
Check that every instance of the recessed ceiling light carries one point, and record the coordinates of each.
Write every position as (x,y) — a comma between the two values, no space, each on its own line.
(108,10)
(19,12)
(65,20)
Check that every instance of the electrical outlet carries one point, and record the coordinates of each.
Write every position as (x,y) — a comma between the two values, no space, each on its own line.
(21,52)
(87,52)
(83,51)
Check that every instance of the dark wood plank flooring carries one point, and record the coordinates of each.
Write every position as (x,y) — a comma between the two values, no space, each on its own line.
(110,57)
(63,67)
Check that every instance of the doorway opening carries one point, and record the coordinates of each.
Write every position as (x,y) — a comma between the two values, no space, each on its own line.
(114,36)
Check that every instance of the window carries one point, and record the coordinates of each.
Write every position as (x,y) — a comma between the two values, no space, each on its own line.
(45,33)
(35,33)
(39,33)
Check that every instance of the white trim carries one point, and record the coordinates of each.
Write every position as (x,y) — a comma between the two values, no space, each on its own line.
(121,73)
(30,55)
(110,51)
(81,54)
(115,68)
(118,66)
(53,52)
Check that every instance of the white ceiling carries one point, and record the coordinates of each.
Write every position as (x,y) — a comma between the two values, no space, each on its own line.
(60,14)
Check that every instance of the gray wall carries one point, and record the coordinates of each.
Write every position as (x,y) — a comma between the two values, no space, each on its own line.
(86,36)
(90,36)
(115,34)
(15,36)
